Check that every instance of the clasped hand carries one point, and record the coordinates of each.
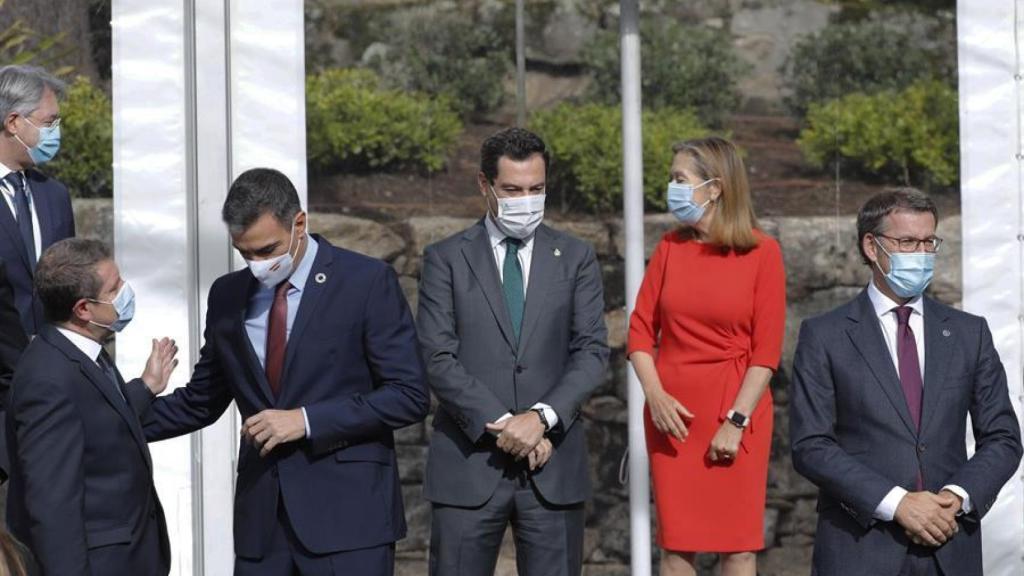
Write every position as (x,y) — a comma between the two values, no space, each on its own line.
(929,519)
(522,436)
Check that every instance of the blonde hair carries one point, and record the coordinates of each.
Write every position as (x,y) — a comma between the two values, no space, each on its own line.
(734,222)
(11,562)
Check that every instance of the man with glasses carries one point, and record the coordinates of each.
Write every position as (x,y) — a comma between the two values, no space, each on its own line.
(36,211)
(882,388)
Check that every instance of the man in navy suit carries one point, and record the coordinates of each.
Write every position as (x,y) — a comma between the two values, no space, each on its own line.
(36,211)
(316,346)
(882,390)
(81,493)
(12,342)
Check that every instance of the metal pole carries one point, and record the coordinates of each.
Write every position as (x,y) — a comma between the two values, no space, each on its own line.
(520,64)
(633,218)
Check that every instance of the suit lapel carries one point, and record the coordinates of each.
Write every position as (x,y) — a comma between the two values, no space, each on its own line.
(938,348)
(867,338)
(41,206)
(480,257)
(542,267)
(10,226)
(243,345)
(311,295)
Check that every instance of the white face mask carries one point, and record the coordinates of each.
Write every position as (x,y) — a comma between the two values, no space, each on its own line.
(273,271)
(519,217)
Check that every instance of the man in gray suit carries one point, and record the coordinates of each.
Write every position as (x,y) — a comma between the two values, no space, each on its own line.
(511,324)
(882,388)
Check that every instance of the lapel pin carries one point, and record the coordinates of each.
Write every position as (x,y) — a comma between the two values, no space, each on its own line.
(320,278)
(946,332)
(557,252)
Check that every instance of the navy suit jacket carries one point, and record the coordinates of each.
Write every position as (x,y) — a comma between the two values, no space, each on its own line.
(81,492)
(52,204)
(12,342)
(852,433)
(352,362)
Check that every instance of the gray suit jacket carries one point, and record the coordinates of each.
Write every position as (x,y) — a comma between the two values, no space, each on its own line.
(478,372)
(853,436)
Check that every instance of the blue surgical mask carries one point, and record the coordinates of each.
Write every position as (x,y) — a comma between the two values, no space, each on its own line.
(681,204)
(909,272)
(124,305)
(47,146)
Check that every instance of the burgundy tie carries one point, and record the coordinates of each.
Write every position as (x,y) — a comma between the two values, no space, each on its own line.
(910,365)
(277,336)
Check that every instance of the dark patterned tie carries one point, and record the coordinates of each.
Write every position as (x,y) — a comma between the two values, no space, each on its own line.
(107,365)
(277,336)
(24,215)
(910,365)
(512,284)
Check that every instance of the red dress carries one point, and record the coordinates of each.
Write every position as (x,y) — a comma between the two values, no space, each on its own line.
(706,317)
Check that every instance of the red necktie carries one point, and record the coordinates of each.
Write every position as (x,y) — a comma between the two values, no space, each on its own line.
(277,336)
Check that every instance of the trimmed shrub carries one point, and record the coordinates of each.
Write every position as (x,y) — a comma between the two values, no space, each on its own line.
(683,66)
(85,163)
(586,152)
(909,136)
(355,125)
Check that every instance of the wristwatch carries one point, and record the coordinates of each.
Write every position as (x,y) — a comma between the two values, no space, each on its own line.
(543,418)
(738,420)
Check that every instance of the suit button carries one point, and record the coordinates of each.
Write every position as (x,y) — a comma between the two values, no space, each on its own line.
(921,448)
(519,369)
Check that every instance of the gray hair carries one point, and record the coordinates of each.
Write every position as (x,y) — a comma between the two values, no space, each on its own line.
(22,88)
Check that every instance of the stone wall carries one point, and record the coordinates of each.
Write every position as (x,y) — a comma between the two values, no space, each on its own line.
(823,270)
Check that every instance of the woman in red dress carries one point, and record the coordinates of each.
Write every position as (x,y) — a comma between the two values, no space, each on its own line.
(704,338)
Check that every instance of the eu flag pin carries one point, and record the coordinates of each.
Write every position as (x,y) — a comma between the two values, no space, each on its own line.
(946,332)
(320,278)
(557,252)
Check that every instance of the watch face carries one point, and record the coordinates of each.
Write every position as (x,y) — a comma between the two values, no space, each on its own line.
(738,419)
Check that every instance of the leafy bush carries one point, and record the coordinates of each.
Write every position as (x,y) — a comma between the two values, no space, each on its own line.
(889,51)
(446,54)
(86,159)
(353,124)
(683,66)
(20,44)
(910,135)
(586,152)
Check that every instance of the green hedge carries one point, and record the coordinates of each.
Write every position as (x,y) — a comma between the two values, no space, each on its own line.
(85,163)
(910,136)
(586,152)
(355,125)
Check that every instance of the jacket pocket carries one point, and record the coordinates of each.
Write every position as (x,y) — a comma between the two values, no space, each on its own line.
(108,536)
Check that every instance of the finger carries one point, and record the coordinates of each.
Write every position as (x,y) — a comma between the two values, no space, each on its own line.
(935,533)
(713,455)
(676,426)
(534,456)
(684,411)
(269,446)
(495,426)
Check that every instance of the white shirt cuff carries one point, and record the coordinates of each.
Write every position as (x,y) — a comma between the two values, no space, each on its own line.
(549,413)
(886,510)
(966,508)
(306,420)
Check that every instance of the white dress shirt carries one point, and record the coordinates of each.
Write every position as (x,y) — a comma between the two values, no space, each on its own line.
(88,346)
(885,309)
(8,193)
(525,255)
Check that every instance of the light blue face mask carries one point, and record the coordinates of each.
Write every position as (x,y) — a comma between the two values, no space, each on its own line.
(909,272)
(681,204)
(124,305)
(47,146)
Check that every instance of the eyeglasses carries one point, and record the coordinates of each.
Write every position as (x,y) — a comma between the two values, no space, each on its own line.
(930,245)
(53,124)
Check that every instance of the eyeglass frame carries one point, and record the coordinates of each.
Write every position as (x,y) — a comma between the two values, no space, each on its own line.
(918,243)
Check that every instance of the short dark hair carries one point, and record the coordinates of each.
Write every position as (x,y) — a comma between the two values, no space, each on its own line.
(257,192)
(871,218)
(515,143)
(66,273)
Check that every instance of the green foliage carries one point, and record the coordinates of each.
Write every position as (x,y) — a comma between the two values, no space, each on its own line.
(85,161)
(911,135)
(586,152)
(889,51)
(448,54)
(20,44)
(683,66)
(355,125)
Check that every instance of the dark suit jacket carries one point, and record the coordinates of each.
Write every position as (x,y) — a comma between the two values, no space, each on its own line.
(853,436)
(478,372)
(12,342)
(52,204)
(81,493)
(352,362)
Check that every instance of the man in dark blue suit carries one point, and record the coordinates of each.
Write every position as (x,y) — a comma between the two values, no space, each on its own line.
(316,346)
(12,342)
(81,494)
(882,389)
(36,211)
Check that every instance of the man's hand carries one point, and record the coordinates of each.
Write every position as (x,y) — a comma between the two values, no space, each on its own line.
(929,519)
(270,428)
(519,435)
(541,454)
(160,365)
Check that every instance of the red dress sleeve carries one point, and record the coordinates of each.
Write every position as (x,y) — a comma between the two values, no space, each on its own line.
(769,323)
(645,322)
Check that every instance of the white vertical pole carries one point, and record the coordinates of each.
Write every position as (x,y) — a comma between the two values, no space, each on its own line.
(633,219)
(520,64)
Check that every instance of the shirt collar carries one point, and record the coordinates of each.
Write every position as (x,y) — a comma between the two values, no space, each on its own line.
(305,266)
(88,346)
(497,236)
(6,188)
(884,305)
